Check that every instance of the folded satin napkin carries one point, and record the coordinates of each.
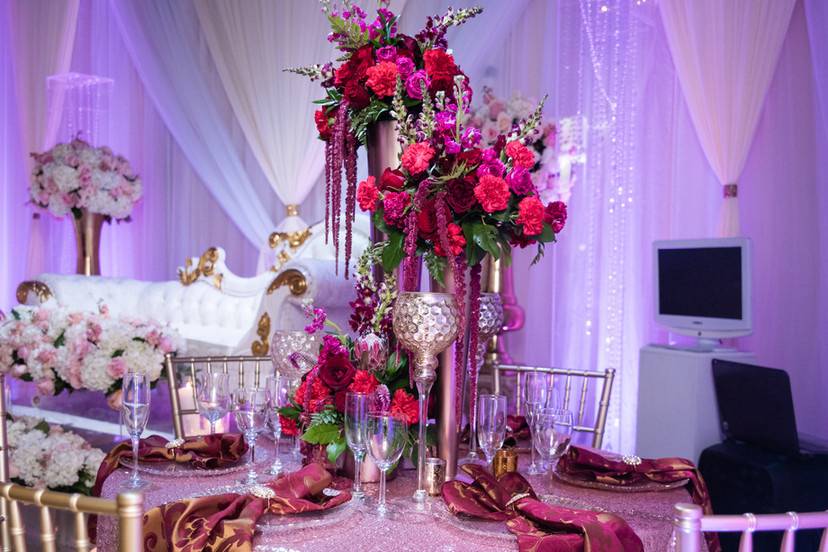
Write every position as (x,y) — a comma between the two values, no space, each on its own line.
(539,527)
(593,465)
(202,451)
(227,522)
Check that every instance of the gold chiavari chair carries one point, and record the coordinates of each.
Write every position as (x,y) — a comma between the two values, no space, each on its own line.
(128,507)
(689,523)
(242,371)
(605,378)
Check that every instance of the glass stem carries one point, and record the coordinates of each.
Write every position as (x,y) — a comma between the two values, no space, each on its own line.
(531,446)
(381,504)
(212,427)
(423,388)
(135,458)
(358,457)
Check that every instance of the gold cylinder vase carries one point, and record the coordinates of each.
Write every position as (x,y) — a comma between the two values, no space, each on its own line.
(88,242)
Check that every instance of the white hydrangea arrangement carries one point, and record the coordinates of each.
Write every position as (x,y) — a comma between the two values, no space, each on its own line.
(77,176)
(47,456)
(58,349)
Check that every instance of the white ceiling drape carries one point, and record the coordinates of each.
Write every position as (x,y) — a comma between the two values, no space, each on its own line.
(162,39)
(725,54)
(252,43)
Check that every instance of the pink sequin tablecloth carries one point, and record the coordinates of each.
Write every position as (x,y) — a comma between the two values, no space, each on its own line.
(649,514)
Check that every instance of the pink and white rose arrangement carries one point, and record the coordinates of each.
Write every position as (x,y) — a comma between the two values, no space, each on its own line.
(77,176)
(59,349)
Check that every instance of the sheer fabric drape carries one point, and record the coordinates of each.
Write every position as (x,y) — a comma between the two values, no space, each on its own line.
(725,54)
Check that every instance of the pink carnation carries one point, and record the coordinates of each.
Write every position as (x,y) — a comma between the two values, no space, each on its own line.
(416,157)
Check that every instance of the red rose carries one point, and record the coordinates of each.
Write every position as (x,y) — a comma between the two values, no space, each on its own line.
(493,193)
(427,220)
(416,157)
(336,371)
(520,155)
(323,124)
(471,157)
(405,406)
(382,78)
(356,94)
(530,215)
(367,194)
(456,241)
(555,215)
(355,68)
(364,382)
(391,180)
(460,194)
(407,46)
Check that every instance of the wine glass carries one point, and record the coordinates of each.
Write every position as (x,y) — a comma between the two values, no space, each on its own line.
(536,388)
(212,396)
(356,418)
(552,433)
(491,424)
(278,396)
(249,407)
(135,410)
(385,437)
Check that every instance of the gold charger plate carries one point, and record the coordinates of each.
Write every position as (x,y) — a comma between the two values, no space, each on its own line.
(643,487)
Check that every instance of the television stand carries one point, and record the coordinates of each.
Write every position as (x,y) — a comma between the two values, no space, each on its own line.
(677,410)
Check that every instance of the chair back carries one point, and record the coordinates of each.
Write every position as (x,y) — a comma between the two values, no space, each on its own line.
(604,378)
(243,371)
(689,523)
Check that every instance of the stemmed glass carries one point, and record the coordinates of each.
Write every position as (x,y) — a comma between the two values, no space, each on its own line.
(212,396)
(249,407)
(385,436)
(356,419)
(536,388)
(552,433)
(491,424)
(135,409)
(278,394)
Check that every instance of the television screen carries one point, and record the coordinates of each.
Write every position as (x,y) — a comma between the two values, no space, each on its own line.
(700,282)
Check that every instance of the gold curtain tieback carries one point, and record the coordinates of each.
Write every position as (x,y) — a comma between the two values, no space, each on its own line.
(292,210)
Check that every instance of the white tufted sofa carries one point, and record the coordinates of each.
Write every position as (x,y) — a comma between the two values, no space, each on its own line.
(214,310)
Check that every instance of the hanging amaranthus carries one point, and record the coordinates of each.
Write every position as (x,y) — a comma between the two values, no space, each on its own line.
(474,336)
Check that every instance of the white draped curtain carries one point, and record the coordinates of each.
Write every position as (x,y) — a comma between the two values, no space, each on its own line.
(725,54)
(252,43)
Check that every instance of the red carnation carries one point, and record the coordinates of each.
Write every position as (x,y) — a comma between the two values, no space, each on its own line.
(318,392)
(456,241)
(416,157)
(356,94)
(405,406)
(555,215)
(439,62)
(323,124)
(391,180)
(530,215)
(289,428)
(367,194)
(460,194)
(471,158)
(492,192)
(364,382)
(382,78)
(520,155)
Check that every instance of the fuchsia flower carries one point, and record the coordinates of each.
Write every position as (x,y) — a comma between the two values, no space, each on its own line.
(414,83)
(387,53)
(405,66)
(416,158)
(394,206)
(555,215)
(520,181)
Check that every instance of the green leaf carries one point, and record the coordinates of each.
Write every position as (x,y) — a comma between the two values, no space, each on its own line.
(335,450)
(394,252)
(539,254)
(436,266)
(485,237)
(43,426)
(321,434)
(289,412)
(118,353)
(15,314)
(547,235)
(60,340)
(378,218)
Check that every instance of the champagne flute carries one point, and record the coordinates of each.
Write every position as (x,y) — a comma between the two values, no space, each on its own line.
(249,407)
(536,387)
(135,410)
(491,424)
(212,396)
(356,418)
(553,433)
(278,395)
(385,437)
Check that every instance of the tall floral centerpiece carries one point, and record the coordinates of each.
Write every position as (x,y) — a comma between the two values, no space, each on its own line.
(359,91)
(91,183)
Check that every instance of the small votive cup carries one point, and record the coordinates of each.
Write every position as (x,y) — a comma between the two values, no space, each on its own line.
(505,461)
(435,475)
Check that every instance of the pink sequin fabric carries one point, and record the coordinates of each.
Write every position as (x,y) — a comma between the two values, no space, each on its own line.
(649,515)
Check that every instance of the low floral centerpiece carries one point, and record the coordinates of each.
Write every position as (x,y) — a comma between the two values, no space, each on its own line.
(59,349)
(47,456)
(362,364)
(359,91)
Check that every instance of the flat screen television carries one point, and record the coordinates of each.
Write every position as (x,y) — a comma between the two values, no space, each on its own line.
(702,287)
